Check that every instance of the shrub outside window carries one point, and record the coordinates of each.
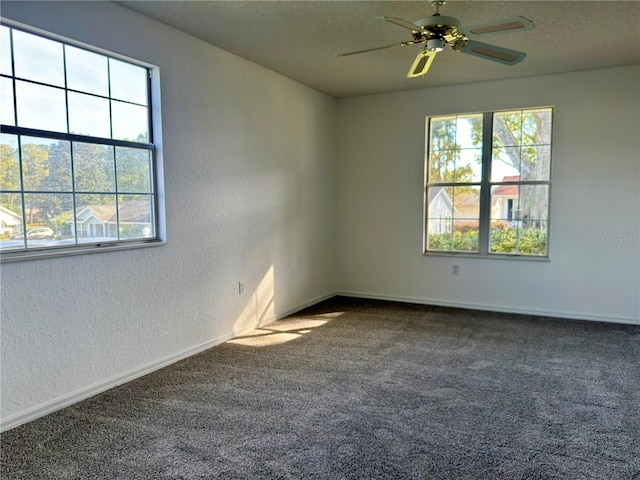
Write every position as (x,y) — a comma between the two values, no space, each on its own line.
(76,148)
(488,183)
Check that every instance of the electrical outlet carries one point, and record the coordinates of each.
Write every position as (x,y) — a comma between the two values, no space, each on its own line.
(456,270)
(240,287)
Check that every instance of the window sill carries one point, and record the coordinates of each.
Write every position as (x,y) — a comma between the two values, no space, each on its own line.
(8,257)
(526,258)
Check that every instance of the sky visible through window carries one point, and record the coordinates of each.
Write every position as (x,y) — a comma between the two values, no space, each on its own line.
(499,170)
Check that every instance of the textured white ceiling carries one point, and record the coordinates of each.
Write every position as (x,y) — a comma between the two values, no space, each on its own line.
(299,39)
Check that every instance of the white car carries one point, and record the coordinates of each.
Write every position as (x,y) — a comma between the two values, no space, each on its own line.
(37,234)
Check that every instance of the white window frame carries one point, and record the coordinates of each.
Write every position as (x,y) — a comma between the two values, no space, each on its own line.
(485,184)
(154,146)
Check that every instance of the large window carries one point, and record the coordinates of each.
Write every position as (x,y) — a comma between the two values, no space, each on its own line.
(488,183)
(77,165)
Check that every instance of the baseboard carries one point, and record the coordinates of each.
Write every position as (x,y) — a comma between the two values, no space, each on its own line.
(291,311)
(99,387)
(46,408)
(495,308)
(51,406)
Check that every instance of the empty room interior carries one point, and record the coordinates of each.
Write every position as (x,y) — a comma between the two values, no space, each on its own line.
(370,239)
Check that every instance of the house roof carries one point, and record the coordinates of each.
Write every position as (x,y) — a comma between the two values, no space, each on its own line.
(136,211)
(10,213)
(440,192)
(507,190)
(7,214)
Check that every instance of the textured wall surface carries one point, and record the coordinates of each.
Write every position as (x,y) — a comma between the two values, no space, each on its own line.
(263,177)
(595,199)
(248,164)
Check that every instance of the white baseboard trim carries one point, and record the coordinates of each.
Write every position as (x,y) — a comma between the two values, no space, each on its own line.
(494,308)
(291,311)
(66,400)
(102,386)
(63,401)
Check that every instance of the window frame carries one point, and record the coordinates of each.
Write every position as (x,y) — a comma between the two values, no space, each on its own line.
(486,186)
(153,146)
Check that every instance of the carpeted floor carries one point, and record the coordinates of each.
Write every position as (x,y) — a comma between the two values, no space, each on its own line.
(362,389)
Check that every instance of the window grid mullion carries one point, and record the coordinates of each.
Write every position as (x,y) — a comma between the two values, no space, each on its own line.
(115,187)
(484,233)
(13,78)
(73,193)
(31,132)
(149,111)
(66,90)
(72,90)
(455,184)
(19,141)
(22,201)
(110,99)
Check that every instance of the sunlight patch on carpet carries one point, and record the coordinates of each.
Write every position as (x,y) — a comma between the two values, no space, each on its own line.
(283,331)
(265,340)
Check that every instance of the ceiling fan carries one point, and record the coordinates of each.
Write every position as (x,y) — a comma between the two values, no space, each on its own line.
(437,32)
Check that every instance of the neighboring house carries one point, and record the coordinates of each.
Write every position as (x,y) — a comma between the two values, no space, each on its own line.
(440,210)
(467,207)
(505,200)
(10,222)
(101,221)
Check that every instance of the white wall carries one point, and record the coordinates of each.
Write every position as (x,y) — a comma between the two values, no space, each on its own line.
(249,161)
(595,197)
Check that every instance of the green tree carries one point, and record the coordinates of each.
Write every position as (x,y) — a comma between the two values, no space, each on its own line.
(94,168)
(445,165)
(133,170)
(526,130)
(35,177)
(10,176)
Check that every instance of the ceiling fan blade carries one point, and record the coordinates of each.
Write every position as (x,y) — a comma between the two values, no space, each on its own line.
(366,50)
(402,23)
(493,52)
(506,25)
(421,64)
(402,44)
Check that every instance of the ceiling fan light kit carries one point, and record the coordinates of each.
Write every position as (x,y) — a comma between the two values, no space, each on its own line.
(435,45)
(438,31)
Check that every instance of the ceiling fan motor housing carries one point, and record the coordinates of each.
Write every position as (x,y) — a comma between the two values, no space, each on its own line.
(435,44)
(438,21)
(438,31)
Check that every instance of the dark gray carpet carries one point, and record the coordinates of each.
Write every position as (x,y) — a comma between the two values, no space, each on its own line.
(381,391)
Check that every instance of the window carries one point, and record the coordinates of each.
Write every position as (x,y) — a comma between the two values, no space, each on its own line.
(77,160)
(488,183)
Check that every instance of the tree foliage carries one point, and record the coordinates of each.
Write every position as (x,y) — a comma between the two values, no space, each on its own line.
(99,173)
(445,161)
(504,239)
(10,177)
